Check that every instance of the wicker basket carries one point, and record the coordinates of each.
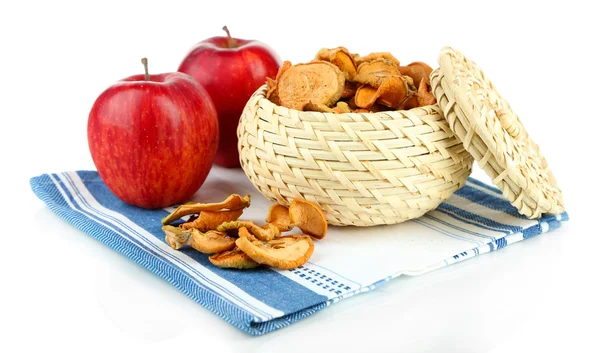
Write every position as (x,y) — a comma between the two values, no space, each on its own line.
(361,169)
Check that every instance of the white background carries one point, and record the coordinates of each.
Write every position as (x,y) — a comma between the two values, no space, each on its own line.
(63,290)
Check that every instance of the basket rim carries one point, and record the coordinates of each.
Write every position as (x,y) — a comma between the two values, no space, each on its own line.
(260,93)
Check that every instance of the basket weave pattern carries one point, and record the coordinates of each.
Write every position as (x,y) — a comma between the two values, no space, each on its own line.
(361,169)
(494,135)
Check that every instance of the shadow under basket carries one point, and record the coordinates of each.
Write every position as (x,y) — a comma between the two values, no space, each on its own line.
(362,169)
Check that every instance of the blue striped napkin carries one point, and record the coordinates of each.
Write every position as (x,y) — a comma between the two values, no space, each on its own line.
(348,261)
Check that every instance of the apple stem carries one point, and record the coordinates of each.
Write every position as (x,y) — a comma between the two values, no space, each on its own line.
(230,41)
(145,63)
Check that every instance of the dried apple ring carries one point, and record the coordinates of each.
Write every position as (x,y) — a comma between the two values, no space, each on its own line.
(308,217)
(317,107)
(341,58)
(208,243)
(285,252)
(271,87)
(235,258)
(377,56)
(365,96)
(374,73)
(391,93)
(342,107)
(319,82)
(233,202)
(270,231)
(177,237)
(424,96)
(208,220)
(349,89)
(272,84)
(279,216)
(411,101)
(418,71)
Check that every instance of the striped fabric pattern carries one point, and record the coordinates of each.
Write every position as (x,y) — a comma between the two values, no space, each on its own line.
(474,221)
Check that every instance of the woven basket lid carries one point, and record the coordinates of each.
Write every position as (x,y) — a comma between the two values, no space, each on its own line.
(494,135)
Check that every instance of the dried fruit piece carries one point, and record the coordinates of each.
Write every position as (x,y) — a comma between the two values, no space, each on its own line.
(176,237)
(341,108)
(308,217)
(365,96)
(341,58)
(271,89)
(410,102)
(208,220)
(374,73)
(376,56)
(410,82)
(208,243)
(418,71)
(285,252)
(266,234)
(268,231)
(233,202)
(390,93)
(424,95)
(279,216)
(226,226)
(272,84)
(235,258)
(349,89)
(319,82)
(317,107)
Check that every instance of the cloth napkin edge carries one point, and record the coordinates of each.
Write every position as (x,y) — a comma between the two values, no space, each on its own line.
(42,186)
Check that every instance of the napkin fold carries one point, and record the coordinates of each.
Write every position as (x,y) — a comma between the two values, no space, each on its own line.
(349,261)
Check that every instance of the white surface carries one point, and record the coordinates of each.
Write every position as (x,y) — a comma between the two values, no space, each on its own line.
(62,290)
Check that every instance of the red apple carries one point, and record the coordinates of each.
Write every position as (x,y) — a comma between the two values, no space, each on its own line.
(153,138)
(230,69)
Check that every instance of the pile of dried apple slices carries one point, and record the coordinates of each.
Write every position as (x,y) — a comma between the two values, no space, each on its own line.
(215,228)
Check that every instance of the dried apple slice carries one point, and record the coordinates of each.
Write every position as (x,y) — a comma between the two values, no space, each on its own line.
(177,237)
(424,96)
(235,258)
(233,202)
(365,96)
(308,217)
(208,243)
(349,89)
(410,102)
(374,73)
(271,89)
(319,82)
(279,216)
(266,233)
(377,56)
(272,84)
(317,107)
(341,108)
(410,83)
(391,93)
(341,58)
(285,252)
(208,220)
(418,71)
